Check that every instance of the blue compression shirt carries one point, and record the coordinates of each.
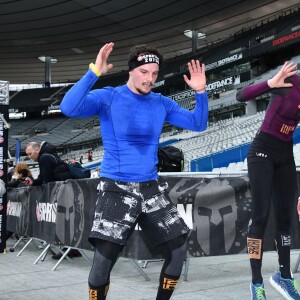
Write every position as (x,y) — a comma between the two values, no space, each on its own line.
(130,125)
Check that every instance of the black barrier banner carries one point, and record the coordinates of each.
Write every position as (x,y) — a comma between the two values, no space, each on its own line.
(3,167)
(19,209)
(43,203)
(217,211)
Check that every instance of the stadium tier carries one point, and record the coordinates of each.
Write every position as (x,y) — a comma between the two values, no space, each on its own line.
(242,59)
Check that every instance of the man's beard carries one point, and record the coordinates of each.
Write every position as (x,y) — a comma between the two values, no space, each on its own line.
(143,93)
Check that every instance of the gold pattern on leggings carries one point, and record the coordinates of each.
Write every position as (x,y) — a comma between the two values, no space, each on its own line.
(93,294)
(254,248)
(169,284)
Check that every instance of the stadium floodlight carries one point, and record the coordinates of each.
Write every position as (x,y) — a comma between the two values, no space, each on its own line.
(189,34)
(77,50)
(43,59)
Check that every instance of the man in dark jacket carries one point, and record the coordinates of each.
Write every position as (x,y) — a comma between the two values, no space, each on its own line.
(51,166)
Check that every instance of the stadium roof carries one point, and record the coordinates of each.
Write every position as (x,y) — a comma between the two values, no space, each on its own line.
(72,31)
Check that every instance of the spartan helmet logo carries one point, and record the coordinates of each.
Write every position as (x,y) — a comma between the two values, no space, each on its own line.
(69,217)
(216,207)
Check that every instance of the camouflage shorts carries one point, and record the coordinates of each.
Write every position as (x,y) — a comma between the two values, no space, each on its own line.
(121,205)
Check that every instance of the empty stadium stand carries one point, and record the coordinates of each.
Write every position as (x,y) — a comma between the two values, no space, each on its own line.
(228,127)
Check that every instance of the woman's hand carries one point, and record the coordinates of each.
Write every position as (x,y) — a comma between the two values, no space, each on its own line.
(287,70)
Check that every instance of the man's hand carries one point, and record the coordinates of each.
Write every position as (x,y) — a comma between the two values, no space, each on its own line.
(197,82)
(102,57)
(287,70)
(28,181)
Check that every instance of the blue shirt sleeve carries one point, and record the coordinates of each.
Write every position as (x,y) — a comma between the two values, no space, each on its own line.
(193,120)
(79,101)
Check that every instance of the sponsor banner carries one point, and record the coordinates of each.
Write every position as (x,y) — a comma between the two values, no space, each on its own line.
(217,211)
(291,37)
(232,80)
(183,95)
(281,41)
(224,61)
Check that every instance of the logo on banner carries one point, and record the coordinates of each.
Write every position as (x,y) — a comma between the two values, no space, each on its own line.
(46,212)
(232,80)
(14,208)
(224,61)
(217,214)
(210,207)
(286,38)
(70,213)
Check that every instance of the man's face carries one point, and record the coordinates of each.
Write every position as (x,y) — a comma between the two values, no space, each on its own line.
(32,153)
(141,79)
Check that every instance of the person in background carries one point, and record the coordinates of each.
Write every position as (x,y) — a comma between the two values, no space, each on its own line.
(48,160)
(272,175)
(21,171)
(89,156)
(95,173)
(81,159)
(10,170)
(132,118)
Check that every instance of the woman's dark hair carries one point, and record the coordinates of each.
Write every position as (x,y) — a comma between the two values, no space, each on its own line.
(137,50)
(23,172)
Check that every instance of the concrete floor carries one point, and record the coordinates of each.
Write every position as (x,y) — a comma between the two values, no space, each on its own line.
(218,277)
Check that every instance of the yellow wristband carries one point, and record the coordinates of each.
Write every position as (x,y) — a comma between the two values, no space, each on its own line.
(94,69)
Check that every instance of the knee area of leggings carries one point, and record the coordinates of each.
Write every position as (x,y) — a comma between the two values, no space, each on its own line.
(179,241)
(282,234)
(108,249)
(283,228)
(177,245)
(256,232)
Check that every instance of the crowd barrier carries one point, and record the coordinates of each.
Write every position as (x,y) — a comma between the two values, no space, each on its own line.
(217,211)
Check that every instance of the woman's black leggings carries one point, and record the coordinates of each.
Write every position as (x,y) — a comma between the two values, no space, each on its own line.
(272,175)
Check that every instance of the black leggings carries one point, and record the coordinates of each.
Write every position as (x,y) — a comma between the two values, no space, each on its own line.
(272,175)
(106,255)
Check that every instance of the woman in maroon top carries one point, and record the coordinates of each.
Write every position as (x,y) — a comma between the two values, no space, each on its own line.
(272,175)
